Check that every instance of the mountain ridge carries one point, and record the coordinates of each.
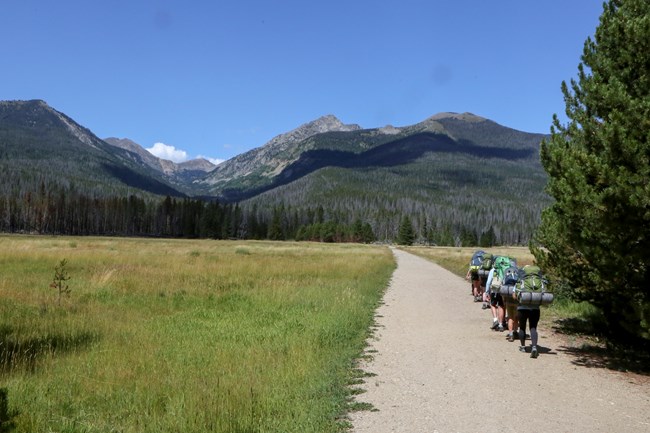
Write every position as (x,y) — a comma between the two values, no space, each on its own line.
(457,172)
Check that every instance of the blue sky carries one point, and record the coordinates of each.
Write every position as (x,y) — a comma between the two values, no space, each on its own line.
(217,78)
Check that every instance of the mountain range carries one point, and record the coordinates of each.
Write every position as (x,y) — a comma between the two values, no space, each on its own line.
(450,170)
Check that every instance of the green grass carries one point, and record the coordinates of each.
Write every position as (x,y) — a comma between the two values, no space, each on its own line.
(187,336)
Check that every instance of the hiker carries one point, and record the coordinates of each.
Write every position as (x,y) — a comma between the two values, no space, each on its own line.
(494,297)
(533,284)
(486,265)
(510,279)
(530,314)
(473,274)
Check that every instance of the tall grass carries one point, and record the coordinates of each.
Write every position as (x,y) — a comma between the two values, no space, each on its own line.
(187,336)
(456,259)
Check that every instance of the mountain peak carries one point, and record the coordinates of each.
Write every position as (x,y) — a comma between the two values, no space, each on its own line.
(468,117)
(327,123)
(37,114)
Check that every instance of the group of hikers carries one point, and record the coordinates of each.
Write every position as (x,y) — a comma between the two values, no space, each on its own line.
(514,295)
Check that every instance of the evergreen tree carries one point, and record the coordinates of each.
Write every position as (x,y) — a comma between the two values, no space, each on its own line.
(275,229)
(406,233)
(488,238)
(595,238)
(468,237)
(367,235)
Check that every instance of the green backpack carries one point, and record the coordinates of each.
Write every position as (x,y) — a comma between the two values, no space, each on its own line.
(501,263)
(531,288)
(488,261)
(486,265)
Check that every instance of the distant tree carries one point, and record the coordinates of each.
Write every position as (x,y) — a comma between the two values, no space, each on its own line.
(406,233)
(275,232)
(488,238)
(595,237)
(446,236)
(468,237)
(367,234)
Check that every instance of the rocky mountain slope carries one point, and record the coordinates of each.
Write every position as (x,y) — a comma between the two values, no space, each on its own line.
(457,173)
(39,142)
(181,175)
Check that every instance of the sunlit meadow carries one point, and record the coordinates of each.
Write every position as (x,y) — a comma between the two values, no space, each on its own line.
(184,335)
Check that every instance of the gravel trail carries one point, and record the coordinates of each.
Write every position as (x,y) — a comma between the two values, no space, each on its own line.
(438,368)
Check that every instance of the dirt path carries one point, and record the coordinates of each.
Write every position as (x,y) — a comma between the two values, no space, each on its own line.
(439,368)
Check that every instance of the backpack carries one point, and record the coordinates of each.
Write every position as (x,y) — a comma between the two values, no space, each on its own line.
(477,258)
(501,263)
(475,262)
(486,265)
(488,260)
(496,283)
(531,287)
(511,275)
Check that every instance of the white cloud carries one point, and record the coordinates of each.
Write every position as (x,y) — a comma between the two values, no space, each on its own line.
(215,161)
(165,151)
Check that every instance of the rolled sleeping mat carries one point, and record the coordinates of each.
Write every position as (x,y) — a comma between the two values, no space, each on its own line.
(535,298)
(483,273)
(507,290)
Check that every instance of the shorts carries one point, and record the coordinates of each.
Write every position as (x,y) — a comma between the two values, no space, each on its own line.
(511,308)
(525,315)
(496,300)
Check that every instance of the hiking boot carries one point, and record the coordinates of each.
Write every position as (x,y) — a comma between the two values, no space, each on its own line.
(511,338)
(533,352)
(495,325)
(522,349)
(485,306)
(501,328)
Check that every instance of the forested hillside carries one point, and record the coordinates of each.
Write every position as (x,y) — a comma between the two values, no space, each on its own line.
(455,178)
(476,183)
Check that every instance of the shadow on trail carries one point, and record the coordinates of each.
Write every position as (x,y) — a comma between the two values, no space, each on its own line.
(598,353)
(593,356)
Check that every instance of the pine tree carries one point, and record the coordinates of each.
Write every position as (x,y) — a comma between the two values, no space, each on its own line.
(595,238)
(488,238)
(406,233)
(275,229)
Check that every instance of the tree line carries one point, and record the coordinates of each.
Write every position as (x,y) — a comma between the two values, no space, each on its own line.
(66,210)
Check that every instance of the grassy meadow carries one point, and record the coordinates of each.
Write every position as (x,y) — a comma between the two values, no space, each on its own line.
(183,335)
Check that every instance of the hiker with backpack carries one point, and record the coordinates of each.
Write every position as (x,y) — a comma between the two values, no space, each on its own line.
(492,288)
(473,273)
(530,292)
(510,279)
(483,272)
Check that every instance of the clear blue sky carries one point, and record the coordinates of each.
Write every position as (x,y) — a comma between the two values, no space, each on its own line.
(217,78)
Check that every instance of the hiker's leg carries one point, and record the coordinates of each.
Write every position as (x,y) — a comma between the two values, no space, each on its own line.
(534,320)
(511,309)
(522,316)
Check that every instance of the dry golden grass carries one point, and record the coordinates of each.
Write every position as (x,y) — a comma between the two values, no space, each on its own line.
(184,335)
(456,259)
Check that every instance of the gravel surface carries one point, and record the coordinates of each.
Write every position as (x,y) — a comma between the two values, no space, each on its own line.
(439,368)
